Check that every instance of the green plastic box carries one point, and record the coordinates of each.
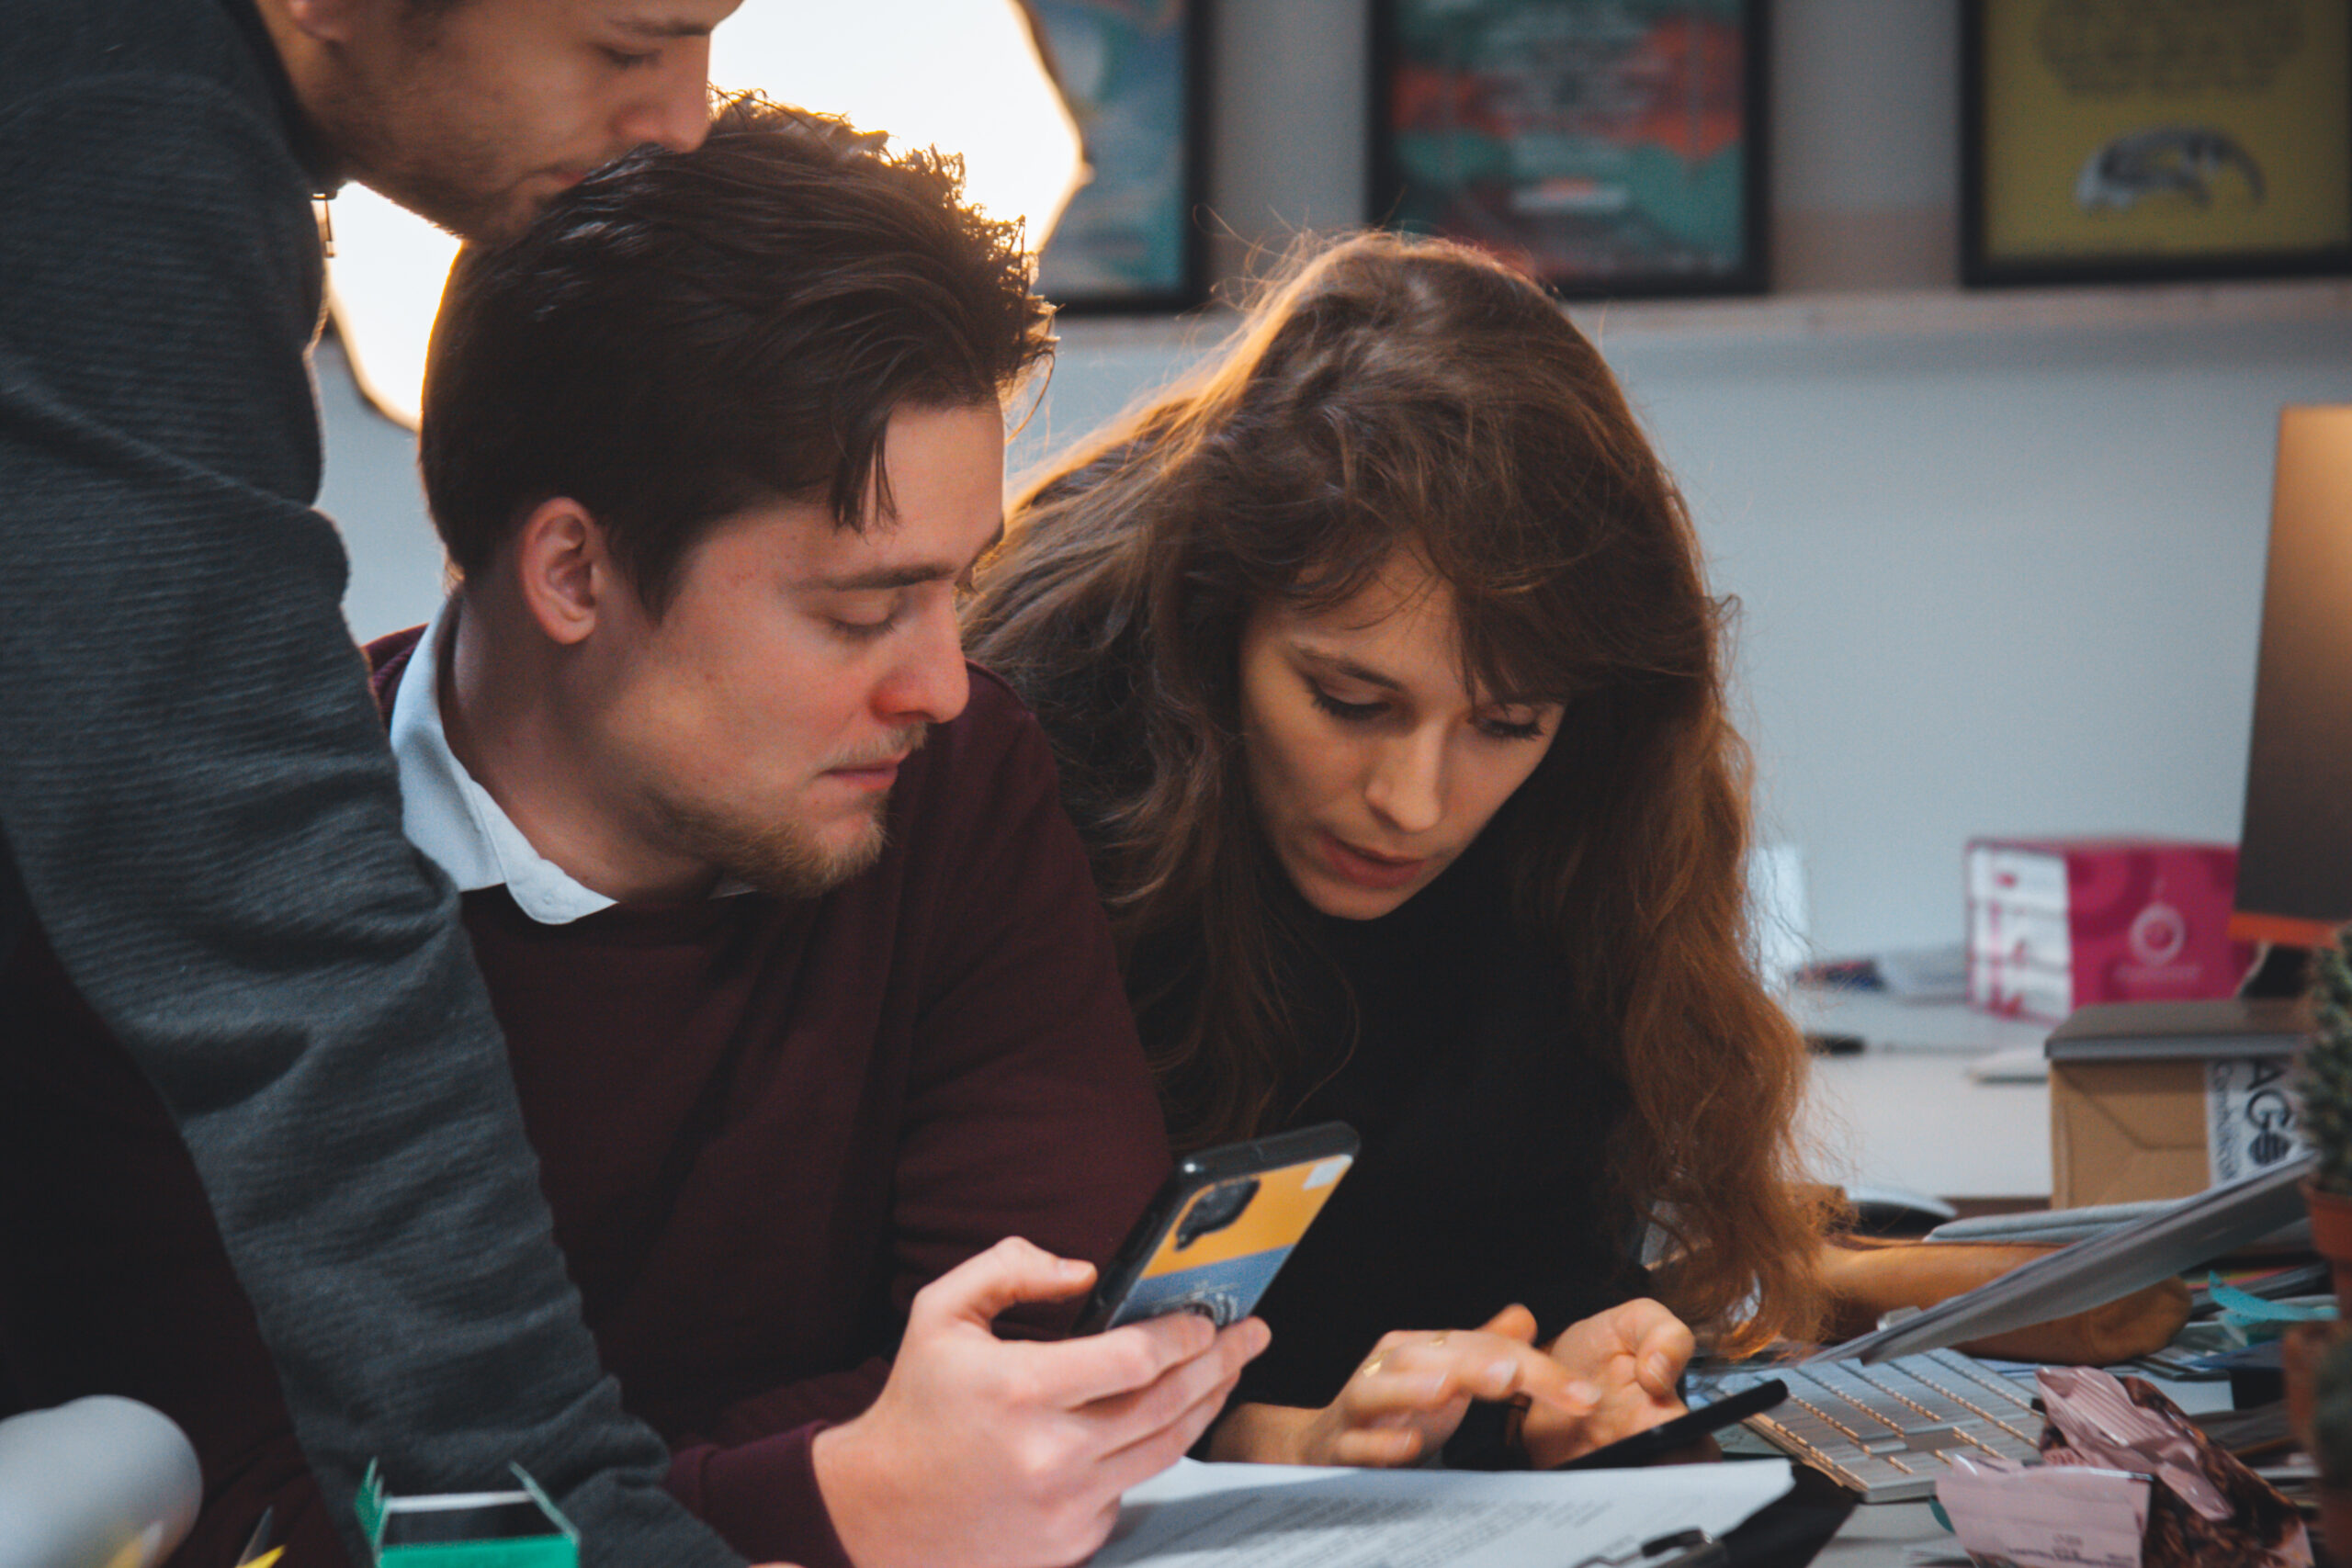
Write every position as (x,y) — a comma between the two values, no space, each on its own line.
(467,1529)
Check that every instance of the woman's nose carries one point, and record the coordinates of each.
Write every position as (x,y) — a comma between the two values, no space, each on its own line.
(1407,784)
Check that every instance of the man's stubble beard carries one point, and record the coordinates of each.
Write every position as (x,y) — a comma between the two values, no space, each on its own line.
(782,857)
(390,137)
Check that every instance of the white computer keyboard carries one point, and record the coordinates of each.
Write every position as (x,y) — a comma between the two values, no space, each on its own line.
(1882,1431)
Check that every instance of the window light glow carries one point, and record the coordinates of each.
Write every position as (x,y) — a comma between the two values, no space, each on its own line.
(961,75)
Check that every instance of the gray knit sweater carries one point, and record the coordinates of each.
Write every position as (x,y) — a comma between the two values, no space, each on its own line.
(196,800)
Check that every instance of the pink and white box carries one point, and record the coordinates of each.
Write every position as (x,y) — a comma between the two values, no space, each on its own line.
(2054,924)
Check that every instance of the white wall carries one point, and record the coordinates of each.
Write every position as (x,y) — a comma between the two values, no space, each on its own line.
(1999,582)
(2008,583)
(372,492)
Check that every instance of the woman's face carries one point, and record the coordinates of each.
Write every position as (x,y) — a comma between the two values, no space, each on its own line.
(1373,764)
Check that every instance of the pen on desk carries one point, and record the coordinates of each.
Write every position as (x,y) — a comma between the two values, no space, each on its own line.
(1697,1549)
(258,1552)
(1688,1549)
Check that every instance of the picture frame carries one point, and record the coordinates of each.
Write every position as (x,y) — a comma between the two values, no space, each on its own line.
(1612,148)
(2106,141)
(1135,74)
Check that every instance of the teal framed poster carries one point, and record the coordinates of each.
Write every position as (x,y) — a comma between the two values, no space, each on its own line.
(1610,147)
(1133,72)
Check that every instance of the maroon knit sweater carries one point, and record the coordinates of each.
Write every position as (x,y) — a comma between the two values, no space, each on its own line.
(761,1126)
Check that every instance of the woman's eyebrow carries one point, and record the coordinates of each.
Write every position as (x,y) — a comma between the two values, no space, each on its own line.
(1340,665)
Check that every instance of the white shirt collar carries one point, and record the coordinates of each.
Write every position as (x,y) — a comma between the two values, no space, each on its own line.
(450,817)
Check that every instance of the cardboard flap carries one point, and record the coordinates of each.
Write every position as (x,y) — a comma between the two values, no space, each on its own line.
(2141,1030)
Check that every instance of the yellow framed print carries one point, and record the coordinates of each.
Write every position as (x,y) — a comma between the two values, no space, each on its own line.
(2111,140)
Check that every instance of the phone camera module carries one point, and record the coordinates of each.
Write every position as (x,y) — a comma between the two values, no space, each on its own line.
(1215,1209)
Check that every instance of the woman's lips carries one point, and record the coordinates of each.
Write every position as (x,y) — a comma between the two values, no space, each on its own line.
(1366,869)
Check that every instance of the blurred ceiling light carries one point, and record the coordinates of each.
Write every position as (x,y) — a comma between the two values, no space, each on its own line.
(961,75)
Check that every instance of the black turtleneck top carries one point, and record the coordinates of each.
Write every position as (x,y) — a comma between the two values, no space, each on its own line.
(1442,1037)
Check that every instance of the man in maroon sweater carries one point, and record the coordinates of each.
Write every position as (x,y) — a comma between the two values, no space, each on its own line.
(807,993)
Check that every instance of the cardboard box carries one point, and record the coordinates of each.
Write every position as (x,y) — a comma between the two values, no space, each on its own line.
(2162,1100)
(2056,924)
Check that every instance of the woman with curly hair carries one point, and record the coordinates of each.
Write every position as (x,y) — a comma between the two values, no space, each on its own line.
(1389,699)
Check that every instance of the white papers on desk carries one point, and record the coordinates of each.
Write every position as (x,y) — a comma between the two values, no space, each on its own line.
(1261,1516)
(2013,1064)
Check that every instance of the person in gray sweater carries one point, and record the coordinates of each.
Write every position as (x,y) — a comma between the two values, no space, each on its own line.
(196,805)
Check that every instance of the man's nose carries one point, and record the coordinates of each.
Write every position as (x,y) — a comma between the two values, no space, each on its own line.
(929,682)
(674,110)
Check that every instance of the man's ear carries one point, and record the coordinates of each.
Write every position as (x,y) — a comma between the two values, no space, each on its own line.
(564,567)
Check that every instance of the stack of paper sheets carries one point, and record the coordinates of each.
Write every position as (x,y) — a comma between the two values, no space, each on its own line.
(1255,1515)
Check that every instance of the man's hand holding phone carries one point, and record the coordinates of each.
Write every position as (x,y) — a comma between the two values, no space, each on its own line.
(1013,1453)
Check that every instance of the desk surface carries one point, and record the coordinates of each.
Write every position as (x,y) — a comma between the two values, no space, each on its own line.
(1905,1112)
(1879,1536)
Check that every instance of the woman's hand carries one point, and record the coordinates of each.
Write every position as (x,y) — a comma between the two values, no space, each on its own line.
(1410,1393)
(1628,1358)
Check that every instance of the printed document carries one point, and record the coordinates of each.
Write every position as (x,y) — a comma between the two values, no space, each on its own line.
(1263,1515)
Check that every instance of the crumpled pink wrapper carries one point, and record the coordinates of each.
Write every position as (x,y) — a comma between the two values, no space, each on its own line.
(2202,1507)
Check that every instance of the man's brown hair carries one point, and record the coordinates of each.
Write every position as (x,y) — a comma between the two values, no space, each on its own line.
(683,335)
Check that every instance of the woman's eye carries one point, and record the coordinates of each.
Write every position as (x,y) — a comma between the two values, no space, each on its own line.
(626,60)
(1511,730)
(1354,713)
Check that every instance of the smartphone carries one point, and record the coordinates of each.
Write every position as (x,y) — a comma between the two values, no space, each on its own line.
(1219,1227)
(1683,1430)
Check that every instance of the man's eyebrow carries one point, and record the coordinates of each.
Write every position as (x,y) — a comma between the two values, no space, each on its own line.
(663,27)
(904,576)
(882,577)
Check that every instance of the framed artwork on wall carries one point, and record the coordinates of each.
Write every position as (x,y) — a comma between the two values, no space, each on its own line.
(1133,72)
(2117,141)
(1611,147)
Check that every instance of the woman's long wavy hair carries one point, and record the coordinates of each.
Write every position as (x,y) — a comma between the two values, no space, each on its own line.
(1396,395)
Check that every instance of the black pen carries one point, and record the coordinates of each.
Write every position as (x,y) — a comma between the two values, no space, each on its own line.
(259,1543)
(1698,1549)
(1691,1549)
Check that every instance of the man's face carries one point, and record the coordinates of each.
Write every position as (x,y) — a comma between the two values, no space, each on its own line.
(476,113)
(756,728)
